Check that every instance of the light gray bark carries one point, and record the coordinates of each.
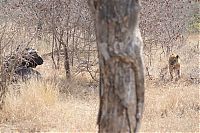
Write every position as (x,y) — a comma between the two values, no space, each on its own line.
(121,65)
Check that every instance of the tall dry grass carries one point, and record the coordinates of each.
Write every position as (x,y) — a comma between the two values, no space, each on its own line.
(38,106)
(171,107)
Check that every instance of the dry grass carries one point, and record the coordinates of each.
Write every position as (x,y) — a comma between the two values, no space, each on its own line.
(40,107)
(171,107)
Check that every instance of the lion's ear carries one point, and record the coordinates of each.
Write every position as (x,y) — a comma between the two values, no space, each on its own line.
(177,56)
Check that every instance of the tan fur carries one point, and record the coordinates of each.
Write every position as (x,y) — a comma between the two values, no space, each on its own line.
(174,66)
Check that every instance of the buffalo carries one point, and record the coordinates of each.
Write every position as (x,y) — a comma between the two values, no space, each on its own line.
(30,58)
(20,64)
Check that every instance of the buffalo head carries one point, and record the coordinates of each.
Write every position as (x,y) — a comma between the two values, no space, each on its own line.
(31,58)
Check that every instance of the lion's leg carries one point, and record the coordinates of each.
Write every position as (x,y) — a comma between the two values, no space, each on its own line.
(179,73)
(171,73)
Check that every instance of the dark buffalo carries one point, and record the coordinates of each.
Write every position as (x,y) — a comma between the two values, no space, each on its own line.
(25,73)
(31,58)
(21,64)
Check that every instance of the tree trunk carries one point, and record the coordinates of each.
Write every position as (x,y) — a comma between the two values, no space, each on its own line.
(66,54)
(3,74)
(121,65)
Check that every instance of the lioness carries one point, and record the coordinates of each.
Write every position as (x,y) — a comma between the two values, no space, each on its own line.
(174,66)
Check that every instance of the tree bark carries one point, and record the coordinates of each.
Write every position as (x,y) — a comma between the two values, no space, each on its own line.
(121,66)
(66,54)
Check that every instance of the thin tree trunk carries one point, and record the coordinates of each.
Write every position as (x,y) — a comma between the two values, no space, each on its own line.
(66,45)
(52,50)
(2,82)
(73,47)
(3,75)
(58,55)
(66,54)
(121,65)
(67,66)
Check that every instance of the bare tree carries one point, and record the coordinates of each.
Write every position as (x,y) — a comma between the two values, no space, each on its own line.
(121,65)
(163,22)
(69,23)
